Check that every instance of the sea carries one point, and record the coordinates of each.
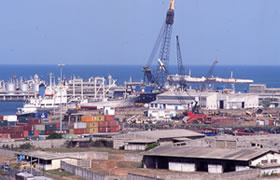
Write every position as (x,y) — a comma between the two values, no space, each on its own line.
(268,75)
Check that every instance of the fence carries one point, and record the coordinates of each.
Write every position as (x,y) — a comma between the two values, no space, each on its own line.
(84,173)
(140,177)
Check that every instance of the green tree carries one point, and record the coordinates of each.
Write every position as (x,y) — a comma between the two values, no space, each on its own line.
(55,136)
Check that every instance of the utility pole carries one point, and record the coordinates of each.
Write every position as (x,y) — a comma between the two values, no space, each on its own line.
(60,104)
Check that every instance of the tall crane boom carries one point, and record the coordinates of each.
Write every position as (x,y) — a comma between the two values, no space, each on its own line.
(181,68)
(163,41)
(209,73)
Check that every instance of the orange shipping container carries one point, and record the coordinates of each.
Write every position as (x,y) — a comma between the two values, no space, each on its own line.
(36,133)
(25,133)
(109,117)
(71,131)
(88,118)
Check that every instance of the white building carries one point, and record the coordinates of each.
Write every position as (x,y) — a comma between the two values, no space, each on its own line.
(167,103)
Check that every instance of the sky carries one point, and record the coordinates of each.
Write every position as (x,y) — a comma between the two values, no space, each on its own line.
(238,32)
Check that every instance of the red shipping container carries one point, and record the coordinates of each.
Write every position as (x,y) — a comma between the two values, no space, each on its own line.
(49,132)
(102,129)
(5,136)
(17,135)
(113,123)
(28,128)
(25,133)
(1,117)
(79,131)
(57,125)
(109,117)
(271,122)
(103,124)
(33,121)
(71,126)
(36,133)
(114,129)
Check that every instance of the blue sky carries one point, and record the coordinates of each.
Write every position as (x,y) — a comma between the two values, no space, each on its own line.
(238,32)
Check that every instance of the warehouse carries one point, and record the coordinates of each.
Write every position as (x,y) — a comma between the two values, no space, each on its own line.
(47,160)
(139,140)
(166,104)
(212,160)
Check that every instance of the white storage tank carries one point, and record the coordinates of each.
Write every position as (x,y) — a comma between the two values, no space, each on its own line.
(24,87)
(11,88)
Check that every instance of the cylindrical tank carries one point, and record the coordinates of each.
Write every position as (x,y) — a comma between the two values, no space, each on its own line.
(23,87)
(35,88)
(11,88)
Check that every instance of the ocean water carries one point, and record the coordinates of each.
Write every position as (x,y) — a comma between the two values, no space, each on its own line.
(268,75)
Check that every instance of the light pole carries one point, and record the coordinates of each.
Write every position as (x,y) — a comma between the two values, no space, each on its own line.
(60,104)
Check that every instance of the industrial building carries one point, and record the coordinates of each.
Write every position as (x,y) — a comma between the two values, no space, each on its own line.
(141,139)
(166,104)
(48,160)
(212,160)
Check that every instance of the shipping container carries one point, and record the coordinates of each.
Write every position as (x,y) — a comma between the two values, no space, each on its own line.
(11,123)
(39,127)
(103,124)
(16,135)
(88,118)
(42,137)
(71,131)
(5,136)
(114,129)
(1,117)
(57,125)
(22,119)
(91,130)
(3,123)
(33,121)
(30,133)
(42,133)
(10,118)
(102,129)
(36,133)
(113,123)
(41,115)
(50,127)
(28,128)
(92,124)
(109,117)
(25,133)
(99,118)
(49,132)
(80,125)
(79,131)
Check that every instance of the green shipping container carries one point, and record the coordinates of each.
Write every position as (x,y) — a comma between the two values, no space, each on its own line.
(50,127)
(35,138)
(42,133)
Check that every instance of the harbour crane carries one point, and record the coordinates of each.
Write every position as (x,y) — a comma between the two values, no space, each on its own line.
(159,76)
(208,75)
(181,68)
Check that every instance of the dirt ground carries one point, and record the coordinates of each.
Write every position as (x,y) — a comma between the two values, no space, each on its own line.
(116,165)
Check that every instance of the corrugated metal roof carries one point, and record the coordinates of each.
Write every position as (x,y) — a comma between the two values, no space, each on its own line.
(163,134)
(207,153)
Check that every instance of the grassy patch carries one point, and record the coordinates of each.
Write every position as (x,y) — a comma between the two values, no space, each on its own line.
(62,173)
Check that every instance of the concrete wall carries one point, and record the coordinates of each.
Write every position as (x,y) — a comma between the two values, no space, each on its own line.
(85,174)
(55,143)
(269,158)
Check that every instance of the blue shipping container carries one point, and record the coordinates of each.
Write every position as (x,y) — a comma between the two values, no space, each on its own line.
(12,123)
(30,133)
